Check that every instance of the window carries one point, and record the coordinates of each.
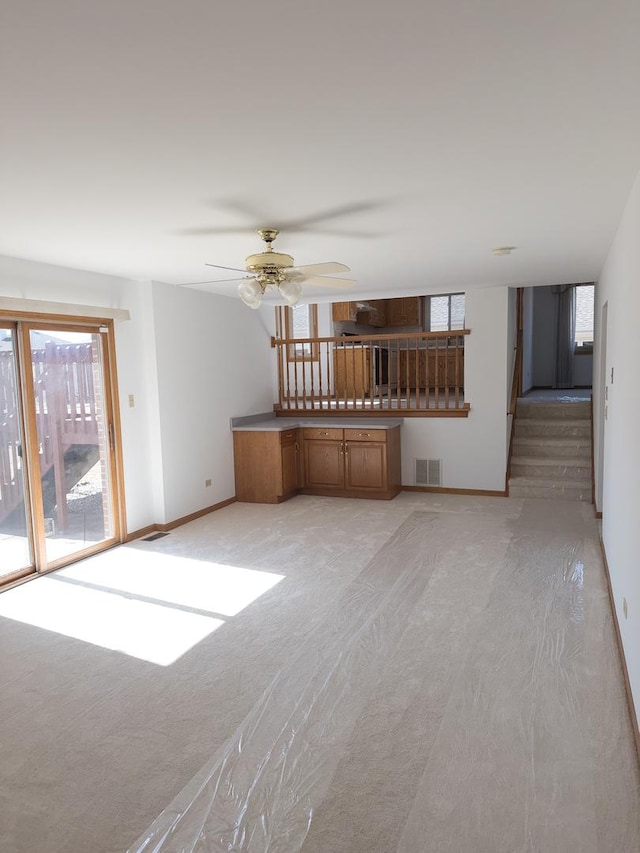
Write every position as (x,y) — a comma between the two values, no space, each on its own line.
(444,313)
(301,321)
(584,316)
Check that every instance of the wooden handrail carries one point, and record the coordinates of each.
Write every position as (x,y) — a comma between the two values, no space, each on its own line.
(275,341)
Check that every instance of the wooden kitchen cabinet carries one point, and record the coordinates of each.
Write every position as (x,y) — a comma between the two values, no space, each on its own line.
(403,312)
(344,311)
(353,371)
(361,463)
(377,316)
(267,465)
(323,458)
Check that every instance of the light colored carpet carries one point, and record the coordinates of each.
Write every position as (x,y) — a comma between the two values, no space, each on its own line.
(491,720)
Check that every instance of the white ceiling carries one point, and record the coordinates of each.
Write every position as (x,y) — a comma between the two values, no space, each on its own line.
(404,139)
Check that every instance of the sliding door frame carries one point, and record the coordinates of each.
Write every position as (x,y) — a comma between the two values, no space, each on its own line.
(23,323)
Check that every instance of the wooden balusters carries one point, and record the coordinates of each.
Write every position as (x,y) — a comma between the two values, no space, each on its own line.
(419,373)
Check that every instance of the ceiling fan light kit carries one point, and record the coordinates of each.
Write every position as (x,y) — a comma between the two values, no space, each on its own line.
(276,269)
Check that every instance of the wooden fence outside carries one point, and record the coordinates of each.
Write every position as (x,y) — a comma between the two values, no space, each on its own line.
(68,412)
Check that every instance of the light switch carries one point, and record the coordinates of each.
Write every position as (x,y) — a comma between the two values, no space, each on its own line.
(132,402)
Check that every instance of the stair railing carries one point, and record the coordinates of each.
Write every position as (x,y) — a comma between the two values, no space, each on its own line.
(415,374)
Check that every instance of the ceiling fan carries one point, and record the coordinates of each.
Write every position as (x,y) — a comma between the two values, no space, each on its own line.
(276,269)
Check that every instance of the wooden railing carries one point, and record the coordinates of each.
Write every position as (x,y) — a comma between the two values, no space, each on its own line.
(415,374)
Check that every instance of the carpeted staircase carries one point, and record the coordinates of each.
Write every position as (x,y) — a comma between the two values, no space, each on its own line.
(551,451)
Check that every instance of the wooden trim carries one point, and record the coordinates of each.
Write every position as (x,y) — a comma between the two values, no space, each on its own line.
(32,473)
(24,309)
(171,525)
(137,534)
(178,522)
(17,577)
(389,336)
(441,490)
(117,462)
(625,672)
(76,556)
(462,412)
(31,459)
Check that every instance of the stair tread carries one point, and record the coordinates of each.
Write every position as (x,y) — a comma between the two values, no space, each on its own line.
(577,461)
(564,482)
(555,440)
(555,421)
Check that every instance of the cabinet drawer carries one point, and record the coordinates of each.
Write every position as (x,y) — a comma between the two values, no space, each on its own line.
(289,436)
(365,434)
(319,433)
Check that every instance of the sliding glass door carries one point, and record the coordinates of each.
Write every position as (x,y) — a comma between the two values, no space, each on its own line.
(59,499)
(15,541)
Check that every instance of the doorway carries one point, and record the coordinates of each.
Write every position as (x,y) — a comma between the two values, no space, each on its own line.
(59,486)
(603,390)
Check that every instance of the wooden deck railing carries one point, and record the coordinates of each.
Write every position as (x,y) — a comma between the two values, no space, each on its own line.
(68,412)
(415,374)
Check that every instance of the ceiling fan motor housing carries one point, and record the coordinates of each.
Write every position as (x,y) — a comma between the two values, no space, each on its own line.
(263,260)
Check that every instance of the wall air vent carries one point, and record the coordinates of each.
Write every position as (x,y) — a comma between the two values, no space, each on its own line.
(428,472)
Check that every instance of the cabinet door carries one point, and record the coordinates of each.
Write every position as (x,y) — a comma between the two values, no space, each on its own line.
(378,315)
(290,462)
(323,463)
(366,465)
(403,312)
(343,311)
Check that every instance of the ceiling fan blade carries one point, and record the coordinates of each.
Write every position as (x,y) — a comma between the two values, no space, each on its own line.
(332,213)
(218,267)
(321,281)
(322,269)
(213,281)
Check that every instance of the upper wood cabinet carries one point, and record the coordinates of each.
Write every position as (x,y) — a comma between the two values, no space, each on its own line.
(381,312)
(343,311)
(377,316)
(403,312)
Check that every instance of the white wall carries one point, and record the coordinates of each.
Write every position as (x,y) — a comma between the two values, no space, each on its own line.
(619,287)
(474,449)
(214,363)
(191,361)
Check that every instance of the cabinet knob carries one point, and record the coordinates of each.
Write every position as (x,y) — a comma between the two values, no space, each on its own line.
(324,433)
(364,434)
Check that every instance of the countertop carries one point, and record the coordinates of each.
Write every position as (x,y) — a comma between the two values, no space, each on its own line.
(274,424)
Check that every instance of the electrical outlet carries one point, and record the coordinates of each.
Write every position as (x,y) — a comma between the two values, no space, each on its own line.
(625,608)
(207,483)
